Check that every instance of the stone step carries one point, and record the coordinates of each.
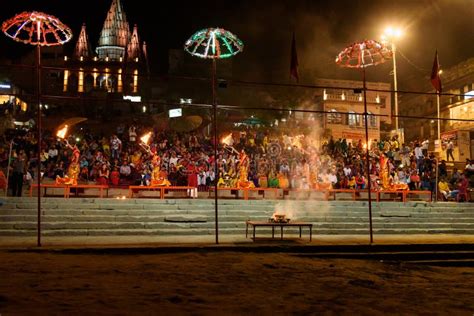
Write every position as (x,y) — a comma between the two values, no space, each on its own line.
(222,225)
(208,216)
(260,232)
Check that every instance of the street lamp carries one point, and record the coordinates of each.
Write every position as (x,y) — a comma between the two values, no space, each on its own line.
(389,36)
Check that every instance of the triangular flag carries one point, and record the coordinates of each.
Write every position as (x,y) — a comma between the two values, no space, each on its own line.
(294,60)
(435,79)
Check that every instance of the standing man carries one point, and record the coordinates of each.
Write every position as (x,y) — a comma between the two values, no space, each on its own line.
(418,156)
(449,150)
(19,169)
(115,146)
(424,147)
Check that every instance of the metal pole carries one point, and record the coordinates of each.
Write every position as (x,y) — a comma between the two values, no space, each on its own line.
(38,73)
(436,184)
(395,86)
(367,156)
(439,126)
(8,166)
(214,122)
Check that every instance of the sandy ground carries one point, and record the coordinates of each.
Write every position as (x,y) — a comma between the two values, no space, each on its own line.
(107,241)
(223,283)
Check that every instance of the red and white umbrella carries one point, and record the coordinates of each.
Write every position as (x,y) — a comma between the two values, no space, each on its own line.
(37,28)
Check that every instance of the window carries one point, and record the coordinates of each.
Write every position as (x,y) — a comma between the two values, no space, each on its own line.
(353,119)
(372,120)
(334,117)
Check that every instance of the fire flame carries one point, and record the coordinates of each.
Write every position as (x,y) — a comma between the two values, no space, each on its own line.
(227,140)
(146,138)
(62,132)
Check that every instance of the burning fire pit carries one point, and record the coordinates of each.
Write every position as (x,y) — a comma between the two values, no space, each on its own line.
(279,218)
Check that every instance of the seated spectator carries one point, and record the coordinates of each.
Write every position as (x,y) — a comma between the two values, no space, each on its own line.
(3,180)
(443,187)
(104,175)
(469,170)
(351,184)
(414,181)
(455,177)
(125,170)
(115,176)
(84,174)
(360,181)
(463,185)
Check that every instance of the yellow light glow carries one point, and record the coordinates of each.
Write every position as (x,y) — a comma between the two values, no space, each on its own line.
(227,140)
(62,132)
(391,33)
(146,138)
(135,80)
(94,75)
(119,83)
(66,78)
(80,87)
(107,77)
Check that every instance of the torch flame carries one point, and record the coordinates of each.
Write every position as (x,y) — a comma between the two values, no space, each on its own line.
(62,132)
(227,140)
(146,138)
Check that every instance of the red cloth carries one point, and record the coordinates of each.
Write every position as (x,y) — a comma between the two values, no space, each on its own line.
(102,181)
(115,177)
(294,60)
(435,79)
(192,175)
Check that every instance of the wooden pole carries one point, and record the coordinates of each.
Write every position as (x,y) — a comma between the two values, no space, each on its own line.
(367,156)
(38,74)
(216,171)
(8,166)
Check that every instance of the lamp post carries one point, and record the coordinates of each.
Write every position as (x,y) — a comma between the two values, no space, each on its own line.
(389,36)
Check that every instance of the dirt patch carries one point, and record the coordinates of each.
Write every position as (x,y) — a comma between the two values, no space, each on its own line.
(226,283)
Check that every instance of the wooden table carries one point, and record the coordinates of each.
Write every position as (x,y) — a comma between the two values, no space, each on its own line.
(256,224)
(52,186)
(100,187)
(162,189)
(427,194)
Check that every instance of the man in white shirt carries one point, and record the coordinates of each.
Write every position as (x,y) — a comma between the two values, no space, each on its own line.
(52,153)
(449,150)
(419,156)
(424,147)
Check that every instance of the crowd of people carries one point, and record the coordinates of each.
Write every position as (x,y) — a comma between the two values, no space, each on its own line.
(247,157)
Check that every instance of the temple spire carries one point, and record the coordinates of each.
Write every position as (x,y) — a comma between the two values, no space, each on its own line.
(133,48)
(83,48)
(115,34)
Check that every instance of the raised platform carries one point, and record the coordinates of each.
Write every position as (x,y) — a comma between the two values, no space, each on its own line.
(186,217)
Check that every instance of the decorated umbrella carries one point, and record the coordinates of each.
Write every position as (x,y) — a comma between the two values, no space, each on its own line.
(361,55)
(40,29)
(253,121)
(214,43)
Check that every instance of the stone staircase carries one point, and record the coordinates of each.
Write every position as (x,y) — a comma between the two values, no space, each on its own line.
(179,217)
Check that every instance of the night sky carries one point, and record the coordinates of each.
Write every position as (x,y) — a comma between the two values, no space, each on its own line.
(323,28)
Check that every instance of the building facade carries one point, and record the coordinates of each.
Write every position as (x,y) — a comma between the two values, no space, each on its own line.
(344,107)
(456,112)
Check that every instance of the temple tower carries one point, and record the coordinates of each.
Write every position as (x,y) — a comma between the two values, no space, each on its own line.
(115,34)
